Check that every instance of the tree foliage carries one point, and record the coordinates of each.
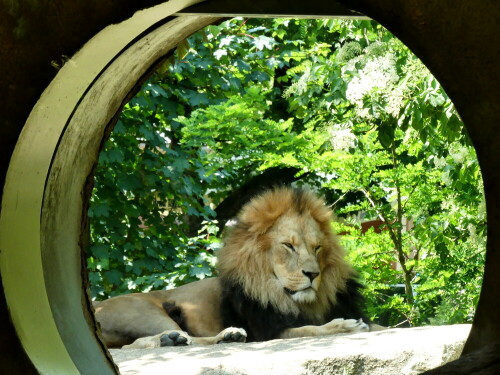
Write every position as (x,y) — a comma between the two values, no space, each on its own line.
(345,106)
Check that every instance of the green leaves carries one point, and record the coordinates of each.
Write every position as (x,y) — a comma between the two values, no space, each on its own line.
(386,133)
(99,210)
(342,102)
(263,42)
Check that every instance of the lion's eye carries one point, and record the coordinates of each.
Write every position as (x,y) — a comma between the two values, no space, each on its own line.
(289,245)
(317,249)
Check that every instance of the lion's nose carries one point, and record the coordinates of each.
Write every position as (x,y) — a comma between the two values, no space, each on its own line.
(310,275)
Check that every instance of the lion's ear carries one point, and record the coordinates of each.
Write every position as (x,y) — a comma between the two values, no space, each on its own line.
(257,220)
(261,213)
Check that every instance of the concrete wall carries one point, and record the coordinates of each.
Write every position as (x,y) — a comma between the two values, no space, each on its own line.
(458,40)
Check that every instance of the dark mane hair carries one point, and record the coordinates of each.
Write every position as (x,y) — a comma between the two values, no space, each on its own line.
(250,301)
(266,323)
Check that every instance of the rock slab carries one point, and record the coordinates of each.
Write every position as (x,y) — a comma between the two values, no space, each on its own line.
(401,351)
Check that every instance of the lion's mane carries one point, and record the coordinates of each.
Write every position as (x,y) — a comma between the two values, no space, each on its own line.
(246,271)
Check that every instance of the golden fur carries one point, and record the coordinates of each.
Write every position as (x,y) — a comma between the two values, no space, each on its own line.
(282,252)
(245,259)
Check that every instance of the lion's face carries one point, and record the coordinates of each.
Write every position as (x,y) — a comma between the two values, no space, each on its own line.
(295,243)
(283,252)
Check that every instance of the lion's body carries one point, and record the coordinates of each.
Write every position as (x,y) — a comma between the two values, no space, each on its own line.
(281,274)
(192,308)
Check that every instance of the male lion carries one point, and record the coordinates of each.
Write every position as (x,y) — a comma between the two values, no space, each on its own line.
(281,275)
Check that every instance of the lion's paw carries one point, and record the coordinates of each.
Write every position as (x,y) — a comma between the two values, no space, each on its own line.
(231,334)
(347,326)
(175,338)
(166,338)
(354,326)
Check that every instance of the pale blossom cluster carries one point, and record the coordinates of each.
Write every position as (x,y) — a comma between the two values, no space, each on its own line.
(450,205)
(304,80)
(395,101)
(440,162)
(300,86)
(446,178)
(459,153)
(342,138)
(379,75)
(472,232)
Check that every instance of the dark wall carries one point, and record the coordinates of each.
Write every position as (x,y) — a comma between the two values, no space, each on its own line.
(13,360)
(460,43)
(35,37)
(458,40)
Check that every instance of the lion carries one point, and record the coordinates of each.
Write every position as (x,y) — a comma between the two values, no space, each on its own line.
(281,274)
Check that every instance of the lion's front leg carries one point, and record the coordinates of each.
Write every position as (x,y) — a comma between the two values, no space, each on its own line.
(181,338)
(166,338)
(227,335)
(334,327)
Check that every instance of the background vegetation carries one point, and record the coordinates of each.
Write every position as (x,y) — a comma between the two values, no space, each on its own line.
(340,106)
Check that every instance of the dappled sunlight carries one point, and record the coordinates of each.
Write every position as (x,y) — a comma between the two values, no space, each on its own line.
(342,107)
(393,351)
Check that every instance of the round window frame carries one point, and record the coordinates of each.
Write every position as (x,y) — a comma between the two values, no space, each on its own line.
(46,190)
(21,201)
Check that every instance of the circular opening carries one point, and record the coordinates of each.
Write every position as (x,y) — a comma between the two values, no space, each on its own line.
(35,214)
(360,65)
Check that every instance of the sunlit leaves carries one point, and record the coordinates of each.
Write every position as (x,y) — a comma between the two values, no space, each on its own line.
(344,103)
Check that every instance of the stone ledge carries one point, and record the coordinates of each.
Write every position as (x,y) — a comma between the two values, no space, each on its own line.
(406,351)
